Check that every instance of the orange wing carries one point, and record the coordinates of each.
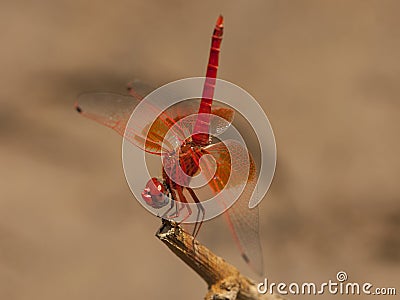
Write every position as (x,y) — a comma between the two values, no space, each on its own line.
(243,222)
(114,111)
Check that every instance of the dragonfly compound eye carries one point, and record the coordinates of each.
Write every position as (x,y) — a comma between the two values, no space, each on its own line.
(155,187)
(154,194)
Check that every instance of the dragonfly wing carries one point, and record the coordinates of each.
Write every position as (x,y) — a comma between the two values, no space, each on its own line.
(114,111)
(191,106)
(176,114)
(109,109)
(139,89)
(218,126)
(243,222)
(244,225)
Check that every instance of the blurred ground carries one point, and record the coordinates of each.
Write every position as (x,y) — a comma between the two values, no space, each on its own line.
(326,72)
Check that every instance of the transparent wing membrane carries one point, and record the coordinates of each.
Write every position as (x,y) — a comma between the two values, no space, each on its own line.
(243,222)
(114,110)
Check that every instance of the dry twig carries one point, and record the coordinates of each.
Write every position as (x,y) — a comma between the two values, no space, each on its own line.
(224,280)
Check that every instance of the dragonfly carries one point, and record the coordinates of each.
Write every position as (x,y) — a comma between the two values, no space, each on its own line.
(114,110)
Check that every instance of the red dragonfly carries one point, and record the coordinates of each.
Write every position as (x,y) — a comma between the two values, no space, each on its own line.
(114,111)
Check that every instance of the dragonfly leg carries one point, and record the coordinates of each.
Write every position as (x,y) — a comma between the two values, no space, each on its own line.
(200,209)
(174,203)
(165,215)
(183,200)
(181,206)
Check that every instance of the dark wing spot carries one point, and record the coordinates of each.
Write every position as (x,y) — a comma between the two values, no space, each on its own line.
(78,109)
(246,259)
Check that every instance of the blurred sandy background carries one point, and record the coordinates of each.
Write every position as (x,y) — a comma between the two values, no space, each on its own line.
(327,74)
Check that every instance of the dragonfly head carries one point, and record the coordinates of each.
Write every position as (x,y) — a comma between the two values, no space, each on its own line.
(155,193)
